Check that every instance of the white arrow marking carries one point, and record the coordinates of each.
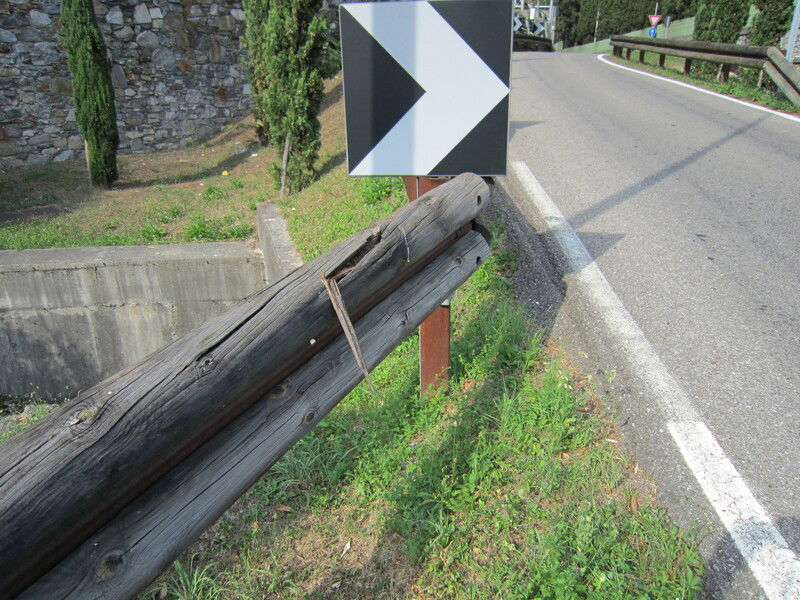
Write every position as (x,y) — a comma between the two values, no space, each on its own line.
(460,89)
(539,29)
(517,23)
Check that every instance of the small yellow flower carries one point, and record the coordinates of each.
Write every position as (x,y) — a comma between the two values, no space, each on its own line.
(225,173)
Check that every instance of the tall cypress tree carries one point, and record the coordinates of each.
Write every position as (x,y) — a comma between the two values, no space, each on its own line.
(256,14)
(92,90)
(295,50)
(773,21)
(721,20)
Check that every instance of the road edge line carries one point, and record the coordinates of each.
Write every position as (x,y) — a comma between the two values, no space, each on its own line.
(777,113)
(768,556)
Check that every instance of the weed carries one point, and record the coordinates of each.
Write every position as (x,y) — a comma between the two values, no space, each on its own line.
(168,214)
(193,583)
(112,224)
(374,190)
(236,184)
(213,192)
(202,228)
(252,206)
(152,232)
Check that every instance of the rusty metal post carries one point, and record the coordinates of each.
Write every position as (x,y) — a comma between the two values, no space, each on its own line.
(434,333)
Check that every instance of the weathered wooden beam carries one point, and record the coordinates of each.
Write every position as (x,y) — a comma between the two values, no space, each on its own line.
(133,548)
(785,75)
(745,61)
(695,45)
(783,85)
(73,471)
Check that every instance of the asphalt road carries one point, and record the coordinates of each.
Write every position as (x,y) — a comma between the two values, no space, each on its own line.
(689,204)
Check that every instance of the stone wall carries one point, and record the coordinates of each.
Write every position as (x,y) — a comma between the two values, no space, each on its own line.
(178,74)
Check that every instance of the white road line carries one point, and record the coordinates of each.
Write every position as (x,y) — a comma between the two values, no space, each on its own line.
(777,113)
(773,564)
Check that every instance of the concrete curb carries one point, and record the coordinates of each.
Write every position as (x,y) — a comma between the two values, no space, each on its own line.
(280,255)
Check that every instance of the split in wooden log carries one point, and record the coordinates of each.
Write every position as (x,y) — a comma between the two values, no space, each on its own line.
(68,475)
(132,549)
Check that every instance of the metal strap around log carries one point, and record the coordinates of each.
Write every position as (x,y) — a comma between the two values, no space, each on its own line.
(75,470)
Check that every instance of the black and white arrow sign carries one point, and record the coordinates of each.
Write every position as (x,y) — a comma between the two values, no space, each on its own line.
(426,86)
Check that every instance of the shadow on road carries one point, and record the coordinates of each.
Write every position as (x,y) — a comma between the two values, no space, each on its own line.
(629,192)
(727,561)
(515,126)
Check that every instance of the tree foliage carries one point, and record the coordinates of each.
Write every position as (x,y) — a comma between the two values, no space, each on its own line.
(295,50)
(772,22)
(255,35)
(577,18)
(721,20)
(92,89)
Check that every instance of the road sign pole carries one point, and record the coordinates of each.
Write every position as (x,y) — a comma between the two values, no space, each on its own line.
(434,333)
(793,32)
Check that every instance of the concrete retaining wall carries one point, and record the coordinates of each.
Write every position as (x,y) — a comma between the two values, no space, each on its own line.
(678,30)
(71,317)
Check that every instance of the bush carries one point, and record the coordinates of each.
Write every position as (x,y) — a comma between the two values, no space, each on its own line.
(577,18)
(296,47)
(92,90)
(721,20)
(772,22)
(255,37)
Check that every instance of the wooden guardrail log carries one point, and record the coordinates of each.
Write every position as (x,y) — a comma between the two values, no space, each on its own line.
(744,61)
(785,75)
(131,550)
(718,48)
(68,475)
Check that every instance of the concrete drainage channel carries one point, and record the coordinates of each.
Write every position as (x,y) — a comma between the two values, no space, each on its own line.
(69,317)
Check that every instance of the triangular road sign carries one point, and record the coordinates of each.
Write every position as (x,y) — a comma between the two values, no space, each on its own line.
(426,90)
(654,19)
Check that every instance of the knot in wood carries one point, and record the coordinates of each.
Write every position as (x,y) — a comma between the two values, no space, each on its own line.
(109,565)
(205,366)
(81,419)
(309,417)
(279,391)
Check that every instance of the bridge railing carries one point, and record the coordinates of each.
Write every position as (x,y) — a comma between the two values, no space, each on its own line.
(768,58)
(98,498)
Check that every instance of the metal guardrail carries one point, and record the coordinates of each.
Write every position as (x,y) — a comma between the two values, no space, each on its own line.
(768,58)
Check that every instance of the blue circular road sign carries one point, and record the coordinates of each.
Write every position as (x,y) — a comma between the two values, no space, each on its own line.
(652,32)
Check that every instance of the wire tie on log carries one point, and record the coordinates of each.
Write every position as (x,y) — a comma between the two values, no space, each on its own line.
(344,318)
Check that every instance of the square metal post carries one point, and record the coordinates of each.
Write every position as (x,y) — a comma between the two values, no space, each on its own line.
(434,333)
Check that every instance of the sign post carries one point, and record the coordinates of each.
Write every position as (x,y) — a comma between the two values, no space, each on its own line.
(426,87)
(434,332)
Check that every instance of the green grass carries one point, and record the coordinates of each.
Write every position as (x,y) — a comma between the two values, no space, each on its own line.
(508,484)
(736,86)
(165,215)
(17,414)
(206,191)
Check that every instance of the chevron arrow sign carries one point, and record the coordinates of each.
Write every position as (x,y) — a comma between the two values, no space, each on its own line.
(426,86)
